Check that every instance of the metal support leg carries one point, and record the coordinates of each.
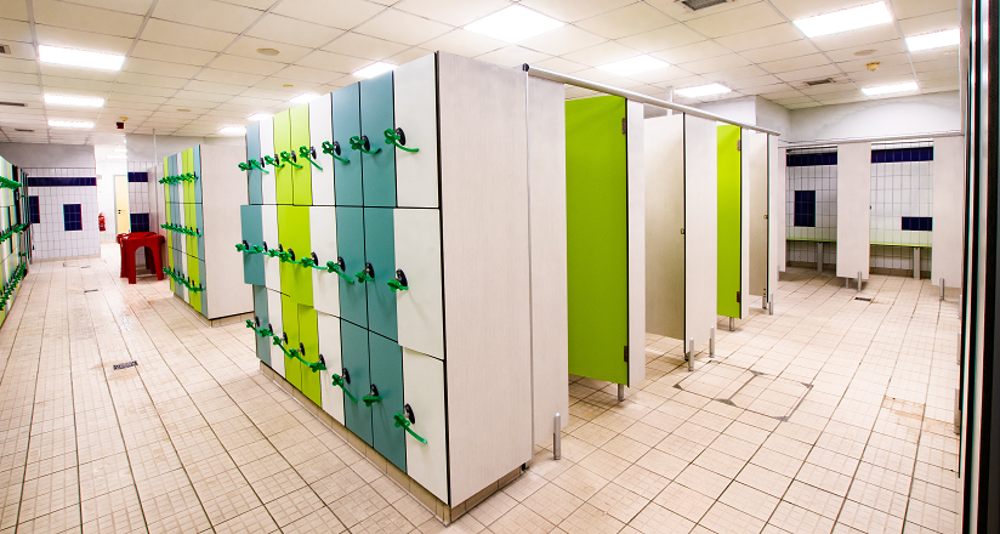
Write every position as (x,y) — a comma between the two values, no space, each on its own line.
(557,439)
(770,305)
(942,288)
(819,257)
(732,324)
(859,281)
(961,308)
(763,301)
(847,282)
(691,354)
(711,344)
(916,263)
(621,392)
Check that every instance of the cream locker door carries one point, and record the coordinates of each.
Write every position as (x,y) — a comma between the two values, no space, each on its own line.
(274,318)
(423,392)
(272,273)
(268,192)
(323,238)
(415,103)
(321,129)
(419,310)
(329,347)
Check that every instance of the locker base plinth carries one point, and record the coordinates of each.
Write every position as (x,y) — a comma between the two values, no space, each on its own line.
(442,511)
(217,321)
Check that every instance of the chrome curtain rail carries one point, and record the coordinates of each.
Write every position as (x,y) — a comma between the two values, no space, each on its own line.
(882,139)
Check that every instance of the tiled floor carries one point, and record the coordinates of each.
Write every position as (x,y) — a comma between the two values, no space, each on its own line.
(830,416)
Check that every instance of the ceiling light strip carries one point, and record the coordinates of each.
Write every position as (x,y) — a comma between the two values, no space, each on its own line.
(637,97)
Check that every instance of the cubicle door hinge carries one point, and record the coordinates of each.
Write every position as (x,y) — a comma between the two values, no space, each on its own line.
(625,126)
(739,145)
(626,353)
(738,297)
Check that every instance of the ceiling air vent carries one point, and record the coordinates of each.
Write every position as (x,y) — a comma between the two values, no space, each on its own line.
(4,49)
(13,104)
(695,5)
(824,81)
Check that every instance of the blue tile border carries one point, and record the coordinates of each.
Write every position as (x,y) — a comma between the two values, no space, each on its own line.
(900,155)
(61,182)
(811,160)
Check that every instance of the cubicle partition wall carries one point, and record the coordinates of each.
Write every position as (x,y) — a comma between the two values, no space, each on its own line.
(853,209)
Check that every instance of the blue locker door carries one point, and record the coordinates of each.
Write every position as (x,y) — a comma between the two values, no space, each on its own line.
(380,253)
(386,363)
(180,265)
(351,247)
(252,225)
(354,357)
(379,169)
(347,124)
(255,191)
(196,169)
(261,321)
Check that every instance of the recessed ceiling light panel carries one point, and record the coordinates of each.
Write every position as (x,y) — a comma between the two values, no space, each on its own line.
(79,58)
(928,41)
(80,125)
(374,70)
(304,98)
(887,89)
(703,90)
(635,65)
(844,20)
(233,130)
(80,101)
(513,24)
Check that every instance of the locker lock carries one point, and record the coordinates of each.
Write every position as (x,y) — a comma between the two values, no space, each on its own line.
(333,149)
(345,375)
(302,349)
(367,275)
(315,259)
(256,321)
(291,254)
(397,138)
(362,144)
(372,397)
(408,412)
(284,337)
(399,284)
(322,360)
(264,244)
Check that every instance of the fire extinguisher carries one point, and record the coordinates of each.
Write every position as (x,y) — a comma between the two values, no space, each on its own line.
(100,221)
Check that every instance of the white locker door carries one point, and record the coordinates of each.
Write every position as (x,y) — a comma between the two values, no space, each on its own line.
(321,129)
(323,235)
(274,317)
(267,149)
(419,310)
(415,102)
(329,347)
(272,273)
(423,391)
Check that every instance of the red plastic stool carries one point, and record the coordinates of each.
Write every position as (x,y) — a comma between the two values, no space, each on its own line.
(130,243)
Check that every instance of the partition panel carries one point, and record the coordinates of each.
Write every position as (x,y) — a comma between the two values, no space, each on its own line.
(853,209)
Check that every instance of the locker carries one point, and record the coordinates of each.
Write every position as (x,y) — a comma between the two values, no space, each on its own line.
(277,325)
(427,462)
(252,227)
(320,131)
(347,124)
(272,269)
(193,272)
(351,247)
(354,358)
(420,314)
(254,191)
(169,262)
(301,175)
(323,238)
(293,235)
(730,270)
(187,166)
(283,144)
(179,264)
(309,344)
(196,170)
(168,216)
(380,255)
(199,214)
(378,161)
(386,365)
(175,190)
(268,194)
(190,222)
(290,337)
(329,347)
(203,294)
(415,103)
(261,321)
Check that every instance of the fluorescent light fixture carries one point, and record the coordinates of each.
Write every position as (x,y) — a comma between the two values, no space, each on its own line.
(513,24)
(115,156)
(84,125)
(81,101)
(374,70)
(79,58)
(844,20)
(703,90)
(928,41)
(635,65)
(257,117)
(233,130)
(886,89)
(302,99)
(121,150)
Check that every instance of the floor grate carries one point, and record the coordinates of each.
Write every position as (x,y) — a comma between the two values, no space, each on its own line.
(126,365)
(863,299)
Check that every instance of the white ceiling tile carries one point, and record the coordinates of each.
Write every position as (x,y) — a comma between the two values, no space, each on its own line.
(793,100)
(811,73)
(713,64)
(574,10)
(247,46)
(784,92)
(245,64)
(200,96)
(512,56)
(601,54)
(162,31)
(755,81)
(294,74)
(945,20)
(768,36)
(253,102)
(344,14)
(136,7)
(454,12)
(799,9)
(333,62)
(934,88)
(226,76)
(19,50)
(950,75)
(394,25)
(26,78)
(885,62)
(630,20)
(464,42)
(174,54)
(559,64)
(800,62)
(15,9)
(904,9)
(930,55)
(739,73)
(596,75)
(118,104)
(738,20)
(840,88)
(83,18)
(882,49)
(364,46)
(78,73)
(161,80)
(111,44)
(288,30)
(270,94)
(118,96)
(149,66)
(948,62)
(874,34)
(562,40)
(662,76)
(670,37)
(405,56)
(207,14)
(50,83)
(681,12)
(16,65)
(692,52)
(15,30)
(261,5)
(212,87)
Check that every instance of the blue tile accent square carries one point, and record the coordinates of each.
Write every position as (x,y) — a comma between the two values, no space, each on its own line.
(138,177)
(805,209)
(140,222)
(72,218)
(918,224)
(34,214)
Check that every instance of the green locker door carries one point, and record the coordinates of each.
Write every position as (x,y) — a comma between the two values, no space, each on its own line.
(354,358)
(380,253)
(387,377)
(347,124)
(597,238)
(730,225)
(351,247)
(260,321)
(290,324)
(283,144)
(293,235)
(378,168)
(187,166)
(252,225)
(301,175)
(309,340)
(254,176)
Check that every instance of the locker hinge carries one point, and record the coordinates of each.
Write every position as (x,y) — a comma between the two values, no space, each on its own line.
(738,297)
(626,353)
(739,145)
(625,126)
(765,216)
(682,231)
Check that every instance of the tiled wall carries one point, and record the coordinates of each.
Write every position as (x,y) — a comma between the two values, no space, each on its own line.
(805,252)
(56,188)
(902,193)
(893,257)
(138,195)
(812,173)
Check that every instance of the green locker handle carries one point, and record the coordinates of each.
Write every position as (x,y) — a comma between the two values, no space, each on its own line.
(342,384)
(406,421)
(398,283)
(244,166)
(242,247)
(273,161)
(310,154)
(362,144)
(397,139)
(334,150)
(256,164)
(372,397)
(290,158)
(367,275)
(338,268)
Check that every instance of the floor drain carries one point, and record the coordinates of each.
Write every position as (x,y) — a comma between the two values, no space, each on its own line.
(126,365)
(863,299)
(90,290)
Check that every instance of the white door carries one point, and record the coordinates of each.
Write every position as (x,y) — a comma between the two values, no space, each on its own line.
(419,310)
(323,236)
(272,266)
(329,347)
(424,392)
(268,192)
(415,103)
(274,317)
(321,129)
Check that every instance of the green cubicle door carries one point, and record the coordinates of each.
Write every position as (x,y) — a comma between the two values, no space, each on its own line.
(283,143)
(378,162)
(261,321)
(387,378)
(254,182)
(301,175)
(730,225)
(354,358)
(380,254)
(351,248)
(597,238)
(293,234)
(309,339)
(347,124)
(290,330)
